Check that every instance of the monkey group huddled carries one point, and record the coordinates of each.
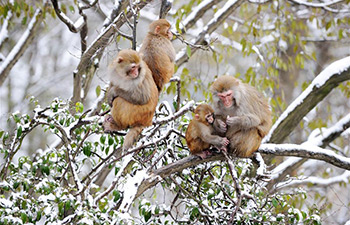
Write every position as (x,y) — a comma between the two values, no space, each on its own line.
(238,121)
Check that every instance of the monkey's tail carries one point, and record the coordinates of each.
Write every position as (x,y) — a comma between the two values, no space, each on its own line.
(131,137)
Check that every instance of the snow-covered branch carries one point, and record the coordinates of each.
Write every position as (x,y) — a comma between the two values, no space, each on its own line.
(21,46)
(4,31)
(94,52)
(306,151)
(196,14)
(320,87)
(219,18)
(315,181)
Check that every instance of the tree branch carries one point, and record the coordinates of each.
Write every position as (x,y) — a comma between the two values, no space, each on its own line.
(212,25)
(306,151)
(23,43)
(320,87)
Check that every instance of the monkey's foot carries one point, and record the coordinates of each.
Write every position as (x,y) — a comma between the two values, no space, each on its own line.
(204,154)
(109,125)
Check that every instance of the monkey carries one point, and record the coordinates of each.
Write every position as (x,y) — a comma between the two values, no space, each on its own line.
(133,95)
(158,52)
(244,110)
(200,135)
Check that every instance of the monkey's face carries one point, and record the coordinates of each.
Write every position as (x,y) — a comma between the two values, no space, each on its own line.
(209,117)
(226,98)
(133,71)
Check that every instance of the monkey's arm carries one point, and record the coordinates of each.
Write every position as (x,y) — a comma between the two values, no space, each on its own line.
(219,125)
(244,122)
(206,135)
(135,97)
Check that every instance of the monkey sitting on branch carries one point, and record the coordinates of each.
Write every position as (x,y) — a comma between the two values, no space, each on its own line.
(244,110)
(133,96)
(200,134)
(158,52)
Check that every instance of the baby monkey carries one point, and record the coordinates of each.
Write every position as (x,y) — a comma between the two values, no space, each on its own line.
(200,134)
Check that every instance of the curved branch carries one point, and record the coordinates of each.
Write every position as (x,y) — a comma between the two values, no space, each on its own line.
(306,151)
(23,43)
(320,87)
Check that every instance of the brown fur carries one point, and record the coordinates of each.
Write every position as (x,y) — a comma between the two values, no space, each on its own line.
(125,112)
(250,116)
(159,53)
(200,135)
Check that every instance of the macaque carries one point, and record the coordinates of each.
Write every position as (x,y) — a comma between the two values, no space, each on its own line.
(158,52)
(133,94)
(200,135)
(245,112)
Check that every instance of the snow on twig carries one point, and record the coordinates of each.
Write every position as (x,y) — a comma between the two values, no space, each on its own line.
(316,181)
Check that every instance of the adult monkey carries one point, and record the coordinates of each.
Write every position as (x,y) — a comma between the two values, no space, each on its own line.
(133,96)
(244,110)
(158,52)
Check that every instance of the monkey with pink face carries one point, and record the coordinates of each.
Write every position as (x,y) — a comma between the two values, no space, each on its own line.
(244,110)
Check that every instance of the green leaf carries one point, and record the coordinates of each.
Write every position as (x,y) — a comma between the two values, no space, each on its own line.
(79,107)
(274,202)
(102,139)
(188,51)
(98,90)
(24,217)
(19,131)
(71,8)
(110,141)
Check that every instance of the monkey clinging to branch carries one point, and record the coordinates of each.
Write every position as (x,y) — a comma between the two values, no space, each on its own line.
(200,134)
(244,110)
(158,52)
(132,94)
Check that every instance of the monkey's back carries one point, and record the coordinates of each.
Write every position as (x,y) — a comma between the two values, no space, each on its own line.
(128,115)
(194,142)
(159,55)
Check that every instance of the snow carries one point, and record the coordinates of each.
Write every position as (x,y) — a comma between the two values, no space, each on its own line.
(335,68)
(131,188)
(4,31)
(338,127)
(194,12)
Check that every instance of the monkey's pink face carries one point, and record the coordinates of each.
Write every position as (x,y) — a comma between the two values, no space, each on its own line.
(134,70)
(226,98)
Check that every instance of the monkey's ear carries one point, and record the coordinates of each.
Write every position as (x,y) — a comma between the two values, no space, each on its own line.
(157,30)
(196,116)
(120,59)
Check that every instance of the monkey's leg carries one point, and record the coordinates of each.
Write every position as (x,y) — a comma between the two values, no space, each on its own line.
(131,137)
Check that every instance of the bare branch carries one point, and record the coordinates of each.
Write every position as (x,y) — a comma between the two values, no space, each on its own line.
(73,27)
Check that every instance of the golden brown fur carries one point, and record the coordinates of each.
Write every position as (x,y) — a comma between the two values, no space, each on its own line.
(158,52)
(200,134)
(249,116)
(135,96)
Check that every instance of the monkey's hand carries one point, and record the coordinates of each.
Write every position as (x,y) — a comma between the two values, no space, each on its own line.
(233,121)
(225,141)
(221,126)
